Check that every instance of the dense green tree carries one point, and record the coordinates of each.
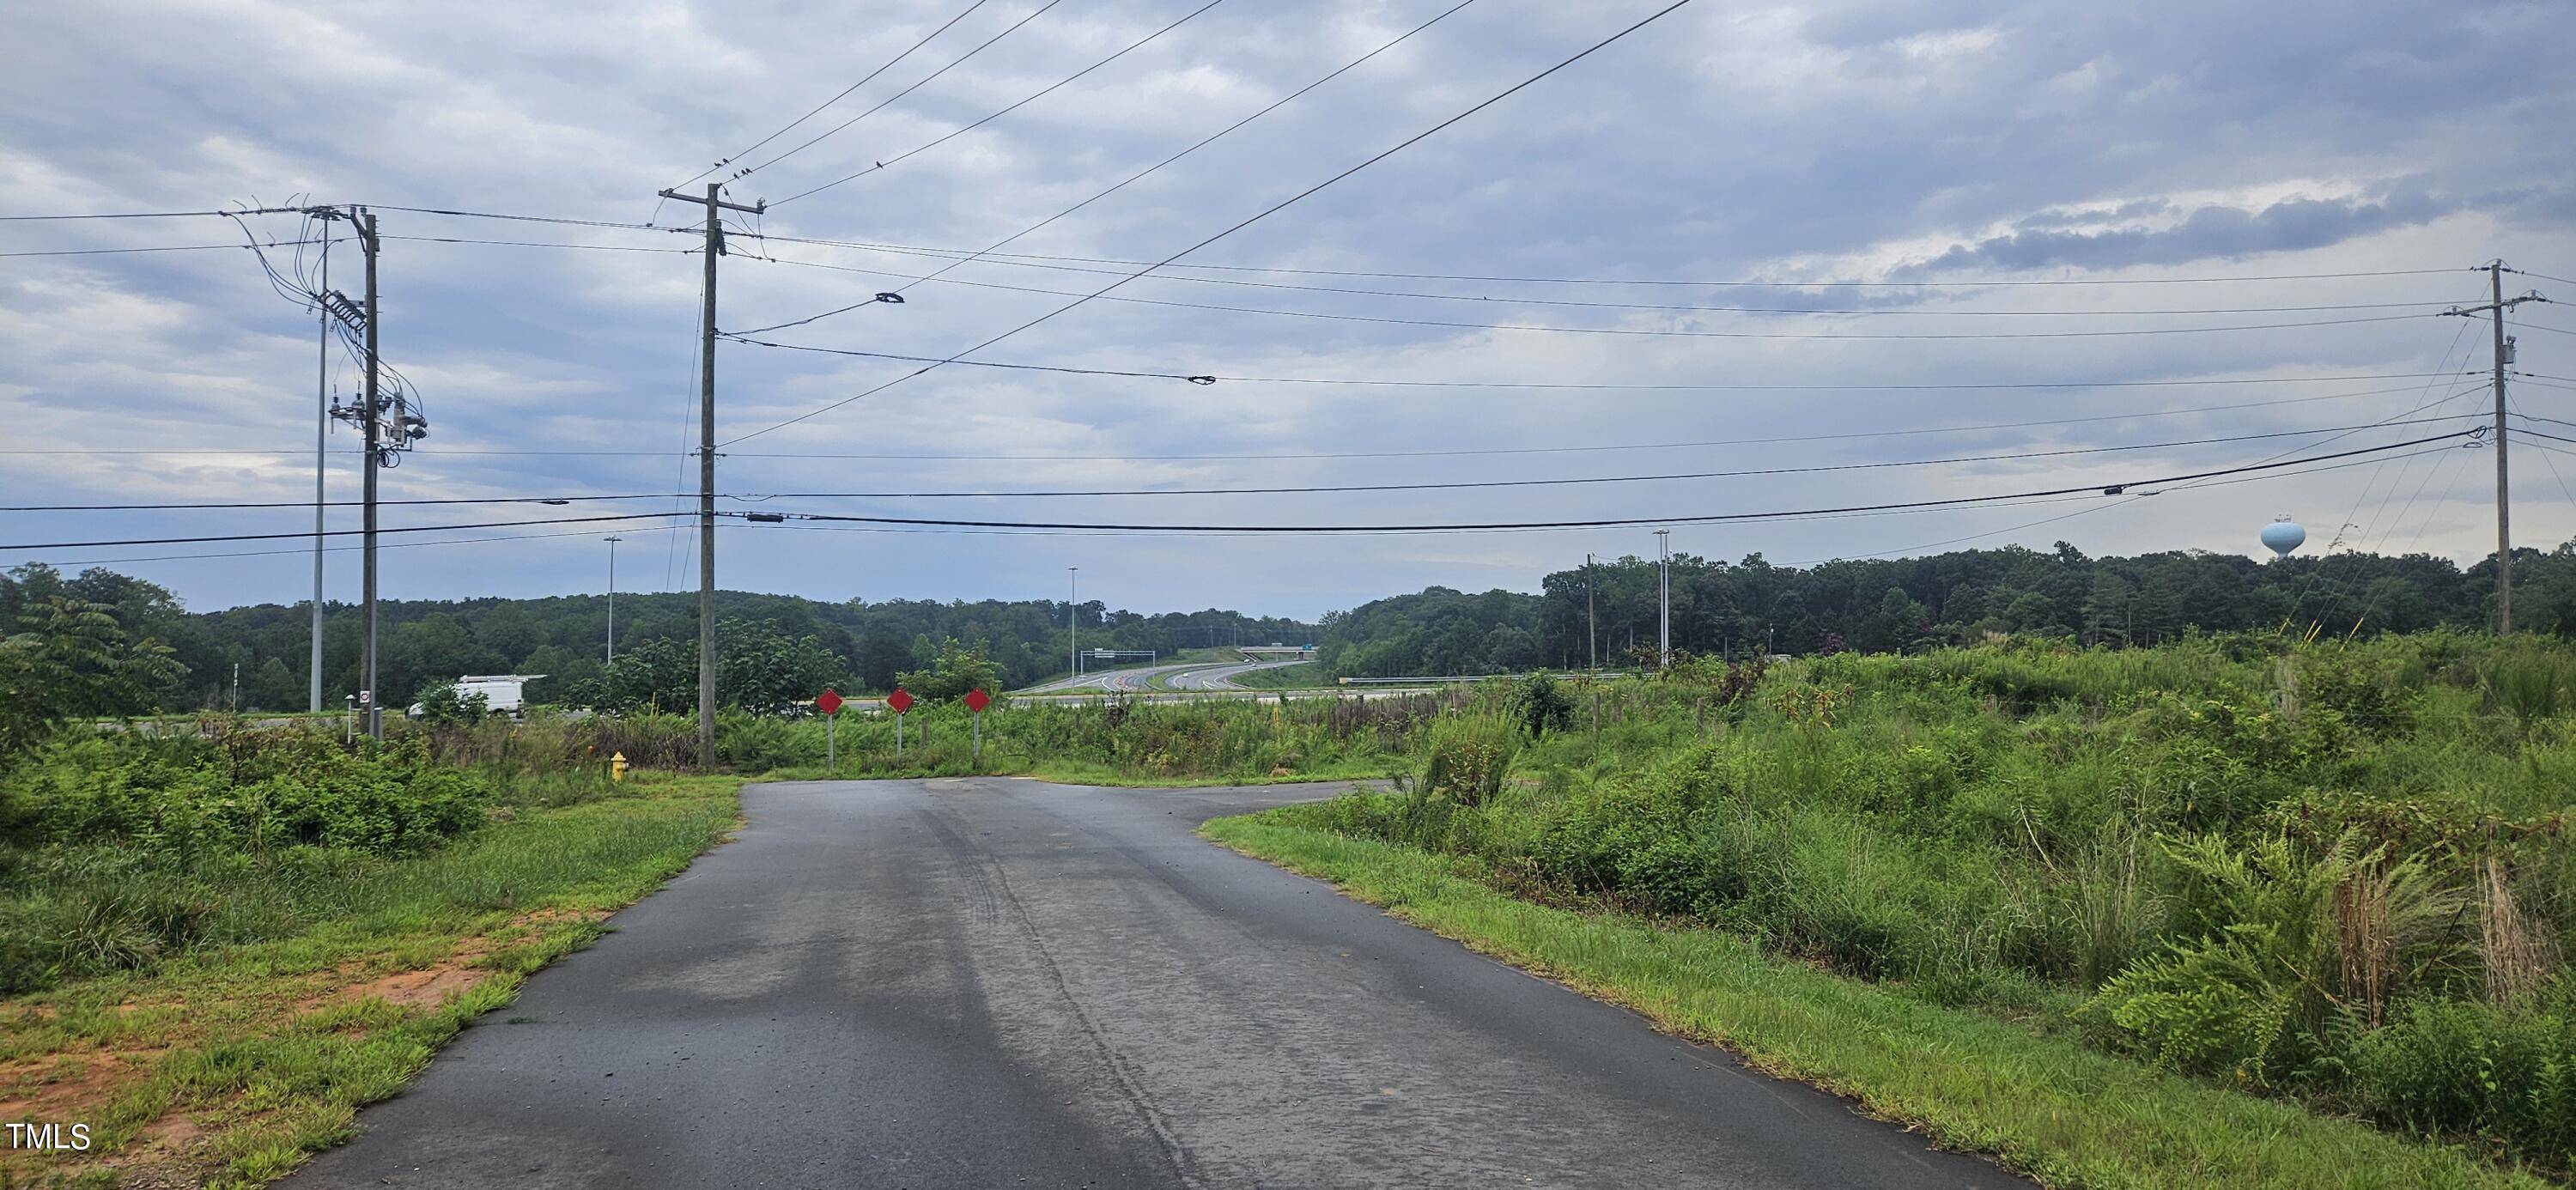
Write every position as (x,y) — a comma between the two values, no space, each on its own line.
(68,659)
(949,669)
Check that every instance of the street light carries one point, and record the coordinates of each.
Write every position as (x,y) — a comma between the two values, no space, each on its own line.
(1072,610)
(1664,550)
(612,599)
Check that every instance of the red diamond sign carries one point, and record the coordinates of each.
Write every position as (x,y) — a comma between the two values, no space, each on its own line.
(828,702)
(900,700)
(977,700)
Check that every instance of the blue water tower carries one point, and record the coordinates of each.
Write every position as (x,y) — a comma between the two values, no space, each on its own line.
(2282,536)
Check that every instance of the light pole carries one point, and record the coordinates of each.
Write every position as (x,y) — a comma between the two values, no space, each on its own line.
(612,599)
(1072,610)
(1664,549)
(1591,622)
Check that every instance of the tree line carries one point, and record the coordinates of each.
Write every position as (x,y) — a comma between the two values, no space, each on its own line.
(780,648)
(1610,610)
(772,648)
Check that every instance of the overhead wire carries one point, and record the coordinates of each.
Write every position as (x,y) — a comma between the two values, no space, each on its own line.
(953,64)
(957,258)
(1265,213)
(1639,332)
(1031,98)
(151,214)
(1737,282)
(1696,518)
(155,248)
(1294,456)
(902,494)
(1140,175)
(2111,489)
(1220,378)
(844,93)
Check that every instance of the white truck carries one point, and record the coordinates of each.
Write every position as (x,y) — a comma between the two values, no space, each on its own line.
(503,694)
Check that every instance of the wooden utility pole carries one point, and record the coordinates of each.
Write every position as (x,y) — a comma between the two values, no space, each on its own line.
(716,206)
(374,424)
(2494,308)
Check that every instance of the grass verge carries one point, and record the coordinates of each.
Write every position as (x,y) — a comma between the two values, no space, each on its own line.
(2046,1104)
(226,1067)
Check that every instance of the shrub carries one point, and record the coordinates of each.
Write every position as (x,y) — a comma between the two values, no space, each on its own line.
(2460,1068)
(1468,758)
(1541,705)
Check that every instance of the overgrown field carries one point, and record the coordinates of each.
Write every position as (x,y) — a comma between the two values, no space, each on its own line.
(1114,740)
(2335,874)
(213,949)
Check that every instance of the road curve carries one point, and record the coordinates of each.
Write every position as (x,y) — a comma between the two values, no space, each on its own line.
(1221,676)
(1179,675)
(999,982)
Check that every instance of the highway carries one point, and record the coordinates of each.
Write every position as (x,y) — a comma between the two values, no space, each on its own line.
(1181,675)
(1221,677)
(1002,982)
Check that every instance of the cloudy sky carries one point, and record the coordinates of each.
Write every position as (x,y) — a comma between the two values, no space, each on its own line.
(1771,237)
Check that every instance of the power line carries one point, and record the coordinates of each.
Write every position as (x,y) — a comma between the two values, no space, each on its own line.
(1579,330)
(168,248)
(901,494)
(461,214)
(1747,283)
(1211,378)
(845,92)
(82,545)
(938,531)
(2216,483)
(1032,98)
(1309,455)
(390,545)
(152,215)
(1265,213)
(543,244)
(1139,175)
(957,257)
(2104,489)
(953,64)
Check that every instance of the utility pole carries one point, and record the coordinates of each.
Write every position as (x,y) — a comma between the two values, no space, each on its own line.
(1664,549)
(375,423)
(612,599)
(1072,616)
(716,206)
(1591,622)
(2494,308)
(321,450)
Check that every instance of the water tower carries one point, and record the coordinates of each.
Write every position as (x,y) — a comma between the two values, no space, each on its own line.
(2282,536)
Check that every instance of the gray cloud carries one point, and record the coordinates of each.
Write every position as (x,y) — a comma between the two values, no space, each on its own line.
(2208,233)
(1980,140)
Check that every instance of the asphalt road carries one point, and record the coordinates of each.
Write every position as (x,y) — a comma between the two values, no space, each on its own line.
(1180,675)
(1222,676)
(1136,678)
(999,982)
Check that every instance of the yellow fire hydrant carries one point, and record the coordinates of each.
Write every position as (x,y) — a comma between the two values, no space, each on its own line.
(617,767)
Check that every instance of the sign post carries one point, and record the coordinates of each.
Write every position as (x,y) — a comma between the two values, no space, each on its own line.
(976,701)
(829,702)
(901,701)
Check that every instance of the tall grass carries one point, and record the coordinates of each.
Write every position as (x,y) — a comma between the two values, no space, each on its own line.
(2337,872)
